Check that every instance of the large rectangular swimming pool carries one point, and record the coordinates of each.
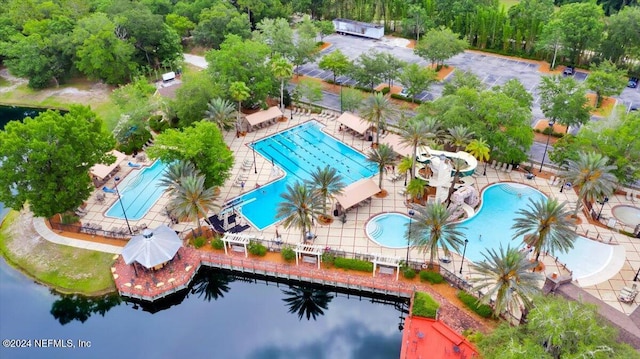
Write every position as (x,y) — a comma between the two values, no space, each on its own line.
(298,151)
(139,191)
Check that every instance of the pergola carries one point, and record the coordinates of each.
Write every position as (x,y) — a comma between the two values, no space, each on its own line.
(309,249)
(100,173)
(395,141)
(357,192)
(354,122)
(236,239)
(380,260)
(270,114)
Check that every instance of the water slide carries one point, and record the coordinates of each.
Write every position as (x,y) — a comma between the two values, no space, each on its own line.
(426,154)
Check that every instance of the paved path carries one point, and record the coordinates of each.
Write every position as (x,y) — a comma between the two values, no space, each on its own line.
(48,234)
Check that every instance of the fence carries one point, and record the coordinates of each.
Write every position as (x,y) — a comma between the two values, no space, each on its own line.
(96,230)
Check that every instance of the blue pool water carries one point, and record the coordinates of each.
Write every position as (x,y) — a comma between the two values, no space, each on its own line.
(491,227)
(298,151)
(139,191)
(387,230)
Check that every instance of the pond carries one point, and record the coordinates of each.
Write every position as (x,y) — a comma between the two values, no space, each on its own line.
(222,316)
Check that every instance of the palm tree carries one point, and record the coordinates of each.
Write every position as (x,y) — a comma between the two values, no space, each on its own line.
(545,226)
(458,164)
(592,175)
(376,109)
(307,301)
(479,149)
(382,156)
(220,112)
(404,166)
(172,177)
(416,188)
(239,92)
(507,276)
(191,200)
(433,227)
(282,70)
(326,183)
(459,137)
(415,133)
(299,207)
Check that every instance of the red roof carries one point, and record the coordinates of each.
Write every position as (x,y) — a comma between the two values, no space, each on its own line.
(429,338)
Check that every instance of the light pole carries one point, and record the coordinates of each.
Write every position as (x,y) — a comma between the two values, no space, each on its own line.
(464,251)
(340,84)
(115,185)
(551,123)
(636,277)
(605,200)
(411,213)
(255,166)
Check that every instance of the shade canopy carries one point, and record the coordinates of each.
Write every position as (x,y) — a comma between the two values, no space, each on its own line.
(357,192)
(152,247)
(263,116)
(354,122)
(395,141)
(101,170)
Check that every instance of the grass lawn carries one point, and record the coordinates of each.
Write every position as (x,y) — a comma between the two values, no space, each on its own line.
(67,269)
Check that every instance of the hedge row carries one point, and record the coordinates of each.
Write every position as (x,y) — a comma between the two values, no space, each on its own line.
(425,306)
(431,277)
(472,302)
(400,97)
(355,264)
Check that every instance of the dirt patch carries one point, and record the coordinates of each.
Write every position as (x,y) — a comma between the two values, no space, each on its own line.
(545,68)
(605,108)
(79,91)
(325,45)
(444,71)
(411,44)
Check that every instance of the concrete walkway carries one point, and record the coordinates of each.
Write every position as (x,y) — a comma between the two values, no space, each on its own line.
(48,234)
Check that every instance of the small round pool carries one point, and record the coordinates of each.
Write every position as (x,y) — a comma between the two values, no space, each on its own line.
(388,230)
(628,215)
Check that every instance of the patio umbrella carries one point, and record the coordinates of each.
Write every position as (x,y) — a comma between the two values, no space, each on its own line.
(152,247)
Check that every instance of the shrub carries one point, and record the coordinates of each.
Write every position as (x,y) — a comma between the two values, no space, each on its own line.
(400,97)
(257,249)
(68,218)
(408,272)
(355,264)
(288,254)
(431,277)
(199,241)
(158,124)
(134,142)
(328,257)
(217,243)
(385,90)
(472,302)
(424,305)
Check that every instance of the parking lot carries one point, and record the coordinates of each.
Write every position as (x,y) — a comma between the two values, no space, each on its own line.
(493,70)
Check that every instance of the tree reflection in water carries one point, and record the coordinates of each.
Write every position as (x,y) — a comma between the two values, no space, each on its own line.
(307,301)
(77,307)
(211,283)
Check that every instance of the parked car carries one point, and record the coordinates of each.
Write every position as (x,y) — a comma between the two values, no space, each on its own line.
(569,71)
(633,82)
(405,93)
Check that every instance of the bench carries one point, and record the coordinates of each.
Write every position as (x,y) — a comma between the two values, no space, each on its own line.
(236,248)
(309,259)
(387,270)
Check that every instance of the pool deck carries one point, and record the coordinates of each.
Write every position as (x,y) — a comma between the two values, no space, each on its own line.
(351,236)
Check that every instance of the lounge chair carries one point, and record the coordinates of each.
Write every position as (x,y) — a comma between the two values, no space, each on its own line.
(633,196)
(628,295)
(509,168)
(504,167)
(108,190)
(134,165)
(493,164)
(628,195)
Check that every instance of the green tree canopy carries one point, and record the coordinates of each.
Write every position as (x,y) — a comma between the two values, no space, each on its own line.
(582,25)
(193,97)
(416,79)
(201,144)
(46,160)
(557,328)
(336,62)
(243,61)
(606,80)
(216,22)
(563,100)
(439,45)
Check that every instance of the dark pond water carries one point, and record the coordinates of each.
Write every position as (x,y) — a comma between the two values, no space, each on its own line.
(221,316)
